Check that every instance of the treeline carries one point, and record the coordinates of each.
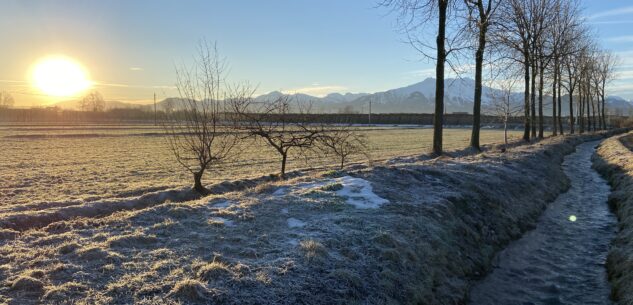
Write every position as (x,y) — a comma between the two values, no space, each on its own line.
(129,115)
(58,115)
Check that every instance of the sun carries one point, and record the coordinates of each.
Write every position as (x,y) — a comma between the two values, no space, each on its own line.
(60,76)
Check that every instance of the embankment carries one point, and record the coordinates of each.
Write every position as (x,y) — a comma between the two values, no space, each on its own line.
(614,160)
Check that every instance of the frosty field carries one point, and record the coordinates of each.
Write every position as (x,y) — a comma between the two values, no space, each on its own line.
(91,162)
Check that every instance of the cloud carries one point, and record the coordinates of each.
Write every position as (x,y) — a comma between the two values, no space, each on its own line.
(614,12)
(103,84)
(620,39)
(611,22)
(423,73)
(11,81)
(319,91)
(136,69)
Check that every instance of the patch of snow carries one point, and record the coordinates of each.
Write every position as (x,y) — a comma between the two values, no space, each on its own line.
(359,193)
(226,222)
(223,204)
(284,211)
(280,191)
(295,223)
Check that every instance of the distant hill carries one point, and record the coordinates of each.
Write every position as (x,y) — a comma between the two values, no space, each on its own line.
(415,98)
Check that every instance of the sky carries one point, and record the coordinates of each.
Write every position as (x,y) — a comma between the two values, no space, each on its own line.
(131,49)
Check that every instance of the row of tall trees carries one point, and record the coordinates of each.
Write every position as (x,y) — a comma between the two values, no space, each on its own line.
(547,42)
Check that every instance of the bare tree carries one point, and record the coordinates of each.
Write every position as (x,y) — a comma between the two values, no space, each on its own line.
(573,61)
(201,134)
(280,124)
(344,142)
(416,17)
(515,32)
(504,107)
(480,13)
(562,35)
(605,73)
(93,101)
(6,100)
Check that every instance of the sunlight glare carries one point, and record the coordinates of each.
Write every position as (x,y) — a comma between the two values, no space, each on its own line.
(60,76)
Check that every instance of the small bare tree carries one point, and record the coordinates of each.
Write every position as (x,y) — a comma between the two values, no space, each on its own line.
(6,100)
(504,107)
(93,101)
(343,142)
(279,125)
(200,135)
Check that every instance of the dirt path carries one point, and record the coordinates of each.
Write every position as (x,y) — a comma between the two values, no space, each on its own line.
(562,260)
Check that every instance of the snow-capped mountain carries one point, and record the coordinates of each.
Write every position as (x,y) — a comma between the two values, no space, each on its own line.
(415,98)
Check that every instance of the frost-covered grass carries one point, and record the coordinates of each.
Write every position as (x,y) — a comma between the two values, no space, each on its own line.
(614,159)
(424,230)
(67,165)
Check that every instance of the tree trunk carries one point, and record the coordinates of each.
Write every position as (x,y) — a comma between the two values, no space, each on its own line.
(505,133)
(197,183)
(588,102)
(560,103)
(479,61)
(599,112)
(581,114)
(438,117)
(554,112)
(533,100)
(593,113)
(540,102)
(284,157)
(526,99)
(604,113)
(571,112)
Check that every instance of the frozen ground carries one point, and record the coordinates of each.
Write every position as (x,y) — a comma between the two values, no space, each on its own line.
(562,261)
(62,164)
(414,230)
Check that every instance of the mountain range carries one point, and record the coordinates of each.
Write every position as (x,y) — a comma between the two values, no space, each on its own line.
(415,98)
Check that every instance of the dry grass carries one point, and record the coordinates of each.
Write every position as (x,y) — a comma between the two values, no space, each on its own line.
(56,171)
(614,160)
(213,271)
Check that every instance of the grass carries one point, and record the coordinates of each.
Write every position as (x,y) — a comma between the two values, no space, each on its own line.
(70,170)
(214,270)
(613,161)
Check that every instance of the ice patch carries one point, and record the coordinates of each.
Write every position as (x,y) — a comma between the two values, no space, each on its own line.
(284,211)
(359,193)
(295,223)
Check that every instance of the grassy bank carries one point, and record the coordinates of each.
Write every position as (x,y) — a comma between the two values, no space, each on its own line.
(614,160)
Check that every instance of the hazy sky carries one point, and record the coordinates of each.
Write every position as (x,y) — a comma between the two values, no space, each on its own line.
(131,48)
